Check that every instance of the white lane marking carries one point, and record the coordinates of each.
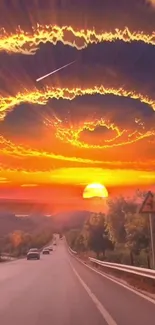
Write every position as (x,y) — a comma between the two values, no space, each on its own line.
(117,282)
(107,317)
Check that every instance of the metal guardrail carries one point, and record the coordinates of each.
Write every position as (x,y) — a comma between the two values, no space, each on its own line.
(147,273)
(73,252)
(126,268)
(6,258)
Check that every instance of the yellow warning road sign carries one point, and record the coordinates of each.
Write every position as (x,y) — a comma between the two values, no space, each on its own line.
(148,206)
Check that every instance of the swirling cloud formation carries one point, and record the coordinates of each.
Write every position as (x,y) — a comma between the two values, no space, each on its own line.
(98,114)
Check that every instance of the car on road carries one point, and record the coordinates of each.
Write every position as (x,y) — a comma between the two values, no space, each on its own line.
(33,254)
(33,250)
(46,251)
(50,248)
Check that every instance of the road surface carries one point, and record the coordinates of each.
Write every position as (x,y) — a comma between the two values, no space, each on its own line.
(59,290)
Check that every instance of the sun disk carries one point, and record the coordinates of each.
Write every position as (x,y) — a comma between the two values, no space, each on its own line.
(95,190)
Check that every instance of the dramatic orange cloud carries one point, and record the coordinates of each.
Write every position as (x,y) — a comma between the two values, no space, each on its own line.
(42,97)
(92,122)
(72,135)
(77,176)
(28,43)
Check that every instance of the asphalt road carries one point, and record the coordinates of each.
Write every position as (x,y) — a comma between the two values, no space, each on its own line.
(60,290)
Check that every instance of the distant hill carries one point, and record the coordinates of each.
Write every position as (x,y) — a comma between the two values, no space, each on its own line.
(36,221)
(9,223)
(23,206)
(71,220)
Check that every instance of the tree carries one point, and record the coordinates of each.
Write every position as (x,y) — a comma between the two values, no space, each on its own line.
(115,219)
(98,239)
(80,243)
(137,230)
(17,238)
(18,243)
(72,236)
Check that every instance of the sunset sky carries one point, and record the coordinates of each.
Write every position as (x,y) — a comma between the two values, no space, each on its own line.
(94,121)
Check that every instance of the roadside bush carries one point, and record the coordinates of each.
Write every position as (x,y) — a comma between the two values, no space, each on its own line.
(18,243)
(123,256)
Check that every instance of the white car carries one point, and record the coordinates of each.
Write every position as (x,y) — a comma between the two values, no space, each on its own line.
(46,251)
(33,254)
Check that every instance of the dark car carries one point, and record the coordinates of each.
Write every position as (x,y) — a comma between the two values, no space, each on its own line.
(33,254)
(46,251)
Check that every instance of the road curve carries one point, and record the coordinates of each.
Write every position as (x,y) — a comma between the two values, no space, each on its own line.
(60,290)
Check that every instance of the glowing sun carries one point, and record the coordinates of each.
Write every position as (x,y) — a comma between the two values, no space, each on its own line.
(95,190)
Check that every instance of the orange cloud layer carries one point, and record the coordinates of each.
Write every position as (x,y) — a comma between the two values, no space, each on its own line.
(41,97)
(121,137)
(28,43)
(10,149)
(78,176)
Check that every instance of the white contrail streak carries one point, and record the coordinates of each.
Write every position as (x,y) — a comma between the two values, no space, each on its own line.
(49,74)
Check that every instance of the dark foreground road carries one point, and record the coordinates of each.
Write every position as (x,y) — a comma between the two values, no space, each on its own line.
(59,290)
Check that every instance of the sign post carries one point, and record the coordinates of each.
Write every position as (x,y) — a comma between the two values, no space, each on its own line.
(152,240)
(148,206)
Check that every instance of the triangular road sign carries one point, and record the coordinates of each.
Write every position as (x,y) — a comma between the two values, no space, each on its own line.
(148,206)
